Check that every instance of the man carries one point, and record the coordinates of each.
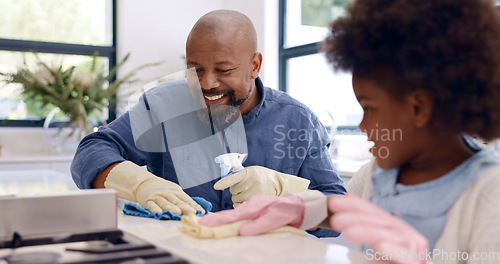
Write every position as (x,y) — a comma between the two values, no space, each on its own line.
(282,135)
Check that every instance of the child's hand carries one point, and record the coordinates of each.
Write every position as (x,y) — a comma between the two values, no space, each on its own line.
(363,223)
(264,212)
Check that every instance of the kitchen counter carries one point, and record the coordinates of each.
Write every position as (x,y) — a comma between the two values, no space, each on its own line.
(270,248)
(60,163)
(22,182)
(35,158)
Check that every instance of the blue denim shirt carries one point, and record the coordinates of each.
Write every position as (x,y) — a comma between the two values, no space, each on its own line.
(282,134)
(425,206)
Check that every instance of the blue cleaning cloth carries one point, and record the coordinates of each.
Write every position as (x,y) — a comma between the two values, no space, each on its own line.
(135,209)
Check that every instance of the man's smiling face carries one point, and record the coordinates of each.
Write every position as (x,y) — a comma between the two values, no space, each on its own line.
(223,70)
(221,48)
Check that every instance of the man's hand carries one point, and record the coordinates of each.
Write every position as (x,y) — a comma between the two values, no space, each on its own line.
(257,180)
(156,194)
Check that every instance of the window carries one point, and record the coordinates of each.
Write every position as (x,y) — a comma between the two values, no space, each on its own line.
(61,32)
(306,20)
(329,95)
(304,72)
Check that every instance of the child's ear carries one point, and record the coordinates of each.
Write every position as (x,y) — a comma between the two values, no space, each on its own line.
(422,105)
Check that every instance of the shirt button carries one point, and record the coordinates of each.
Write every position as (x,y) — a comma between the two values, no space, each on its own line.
(188,157)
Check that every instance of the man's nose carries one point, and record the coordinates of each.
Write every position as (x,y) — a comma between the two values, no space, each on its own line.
(208,81)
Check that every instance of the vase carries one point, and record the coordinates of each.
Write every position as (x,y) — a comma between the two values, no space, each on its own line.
(62,138)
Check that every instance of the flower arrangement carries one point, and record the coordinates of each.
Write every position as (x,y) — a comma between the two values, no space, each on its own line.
(76,91)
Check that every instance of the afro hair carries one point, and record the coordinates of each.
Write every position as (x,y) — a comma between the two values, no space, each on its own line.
(451,48)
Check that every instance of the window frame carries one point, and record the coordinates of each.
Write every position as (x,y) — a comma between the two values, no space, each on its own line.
(61,48)
(287,53)
(301,50)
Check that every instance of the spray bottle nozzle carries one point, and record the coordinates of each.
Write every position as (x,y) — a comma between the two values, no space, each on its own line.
(230,163)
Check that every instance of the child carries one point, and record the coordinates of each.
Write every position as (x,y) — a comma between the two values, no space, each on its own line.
(427,74)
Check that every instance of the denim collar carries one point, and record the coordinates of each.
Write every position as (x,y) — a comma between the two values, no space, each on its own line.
(250,117)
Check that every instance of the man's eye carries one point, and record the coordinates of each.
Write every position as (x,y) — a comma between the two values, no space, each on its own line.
(199,70)
(224,70)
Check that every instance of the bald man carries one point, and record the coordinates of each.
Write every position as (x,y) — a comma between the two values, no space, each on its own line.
(222,47)
(286,144)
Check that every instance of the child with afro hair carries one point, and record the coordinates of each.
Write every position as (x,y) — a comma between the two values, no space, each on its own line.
(430,71)
(427,75)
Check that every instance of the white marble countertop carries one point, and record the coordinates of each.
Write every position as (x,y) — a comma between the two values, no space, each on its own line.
(270,248)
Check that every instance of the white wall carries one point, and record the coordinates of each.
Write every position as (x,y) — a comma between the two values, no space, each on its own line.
(156,30)
(264,15)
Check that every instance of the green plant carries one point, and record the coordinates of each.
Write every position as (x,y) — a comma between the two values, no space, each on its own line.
(78,91)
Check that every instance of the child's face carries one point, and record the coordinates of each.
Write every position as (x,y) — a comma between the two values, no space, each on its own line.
(386,122)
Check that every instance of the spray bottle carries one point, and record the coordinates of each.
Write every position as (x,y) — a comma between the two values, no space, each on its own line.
(230,163)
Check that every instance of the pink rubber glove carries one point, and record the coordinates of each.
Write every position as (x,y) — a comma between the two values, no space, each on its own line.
(266,213)
(362,222)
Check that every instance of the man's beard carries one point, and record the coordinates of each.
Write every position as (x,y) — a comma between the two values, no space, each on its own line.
(219,115)
(224,114)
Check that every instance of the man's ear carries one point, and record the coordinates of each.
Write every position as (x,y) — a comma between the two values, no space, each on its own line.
(422,106)
(255,65)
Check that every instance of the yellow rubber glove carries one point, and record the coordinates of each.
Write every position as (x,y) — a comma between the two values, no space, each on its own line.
(257,180)
(156,194)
